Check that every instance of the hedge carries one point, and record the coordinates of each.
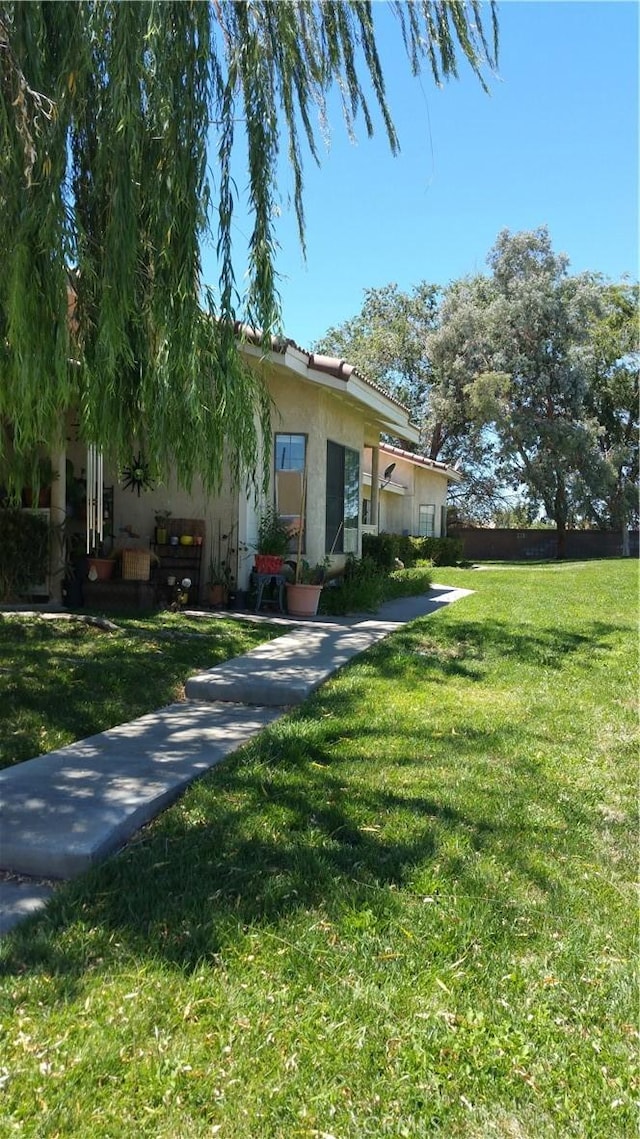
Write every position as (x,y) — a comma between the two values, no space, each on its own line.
(384,548)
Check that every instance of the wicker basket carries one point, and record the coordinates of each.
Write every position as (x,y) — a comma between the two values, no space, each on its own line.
(136,565)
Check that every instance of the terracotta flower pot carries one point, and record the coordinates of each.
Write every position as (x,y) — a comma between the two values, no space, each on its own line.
(102,567)
(217,595)
(302,600)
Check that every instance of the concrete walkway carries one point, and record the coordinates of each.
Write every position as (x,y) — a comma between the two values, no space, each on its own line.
(66,810)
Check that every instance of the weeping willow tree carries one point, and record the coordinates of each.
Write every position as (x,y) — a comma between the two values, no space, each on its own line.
(118,126)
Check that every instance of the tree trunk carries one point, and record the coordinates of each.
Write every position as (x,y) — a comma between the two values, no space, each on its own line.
(560,518)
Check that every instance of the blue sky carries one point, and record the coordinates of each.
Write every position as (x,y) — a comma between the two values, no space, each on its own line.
(555,143)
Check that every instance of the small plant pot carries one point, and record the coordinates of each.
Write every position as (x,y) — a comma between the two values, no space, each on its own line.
(218,595)
(302,600)
(161,535)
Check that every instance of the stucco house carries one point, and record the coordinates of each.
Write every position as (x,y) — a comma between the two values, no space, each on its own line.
(328,418)
(412,493)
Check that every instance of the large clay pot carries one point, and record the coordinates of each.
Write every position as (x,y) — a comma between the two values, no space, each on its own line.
(302,600)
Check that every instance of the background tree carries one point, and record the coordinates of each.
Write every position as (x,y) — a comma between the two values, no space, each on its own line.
(613,399)
(106,111)
(538,324)
(386,341)
(418,346)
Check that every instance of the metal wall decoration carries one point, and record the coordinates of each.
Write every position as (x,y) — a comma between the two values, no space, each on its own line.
(137,475)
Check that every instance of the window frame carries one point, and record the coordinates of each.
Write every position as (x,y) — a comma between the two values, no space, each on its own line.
(304,437)
(426,532)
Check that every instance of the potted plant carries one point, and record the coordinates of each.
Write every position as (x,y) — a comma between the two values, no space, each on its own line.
(162,518)
(303,593)
(219,580)
(273,541)
(220,576)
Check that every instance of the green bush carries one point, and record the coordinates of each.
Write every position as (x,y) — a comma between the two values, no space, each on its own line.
(24,552)
(380,548)
(365,586)
(407,582)
(440,551)
(360,590)
(385,548)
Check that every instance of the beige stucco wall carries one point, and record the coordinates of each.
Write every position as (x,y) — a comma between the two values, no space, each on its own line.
(138,513)
(300,407)
(304,408)
(410,487)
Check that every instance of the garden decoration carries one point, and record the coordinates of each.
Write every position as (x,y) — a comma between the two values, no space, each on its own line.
(137,476)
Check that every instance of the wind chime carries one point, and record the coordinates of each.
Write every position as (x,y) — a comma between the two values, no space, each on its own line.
(95,505)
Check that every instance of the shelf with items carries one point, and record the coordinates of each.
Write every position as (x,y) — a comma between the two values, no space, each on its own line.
(173,565)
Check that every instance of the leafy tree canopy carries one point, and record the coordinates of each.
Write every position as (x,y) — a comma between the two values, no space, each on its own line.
(107,189)
(526,377)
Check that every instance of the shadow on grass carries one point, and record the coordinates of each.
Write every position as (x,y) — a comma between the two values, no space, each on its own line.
(461,649)
(309,816)
(277,832)
(72,681)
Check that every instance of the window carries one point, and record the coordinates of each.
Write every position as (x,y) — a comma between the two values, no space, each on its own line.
(427,520)
(343,499)
(290,456)
(290,452)
(366,507)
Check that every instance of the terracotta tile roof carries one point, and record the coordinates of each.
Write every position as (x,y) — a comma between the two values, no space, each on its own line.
(331,365)
(420,460)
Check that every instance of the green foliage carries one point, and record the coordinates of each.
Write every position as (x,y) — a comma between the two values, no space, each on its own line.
(613,399)
(381,548)
(408,582)
(273,534)
(360,590)
(24,552)
(439,551)
(306,574)
(106,115)
(384,548)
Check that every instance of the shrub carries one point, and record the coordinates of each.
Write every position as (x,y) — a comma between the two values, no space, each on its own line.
(381,549)
(364,586)
(407,582)
(385,548)
(440,551)
(360,590)
(24,552)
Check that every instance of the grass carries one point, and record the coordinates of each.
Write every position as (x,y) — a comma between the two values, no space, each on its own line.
(405,910)
(63,680)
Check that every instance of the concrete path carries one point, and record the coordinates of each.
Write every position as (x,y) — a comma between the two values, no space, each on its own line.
(66,810)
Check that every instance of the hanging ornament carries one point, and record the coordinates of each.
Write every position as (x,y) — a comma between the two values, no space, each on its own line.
(137,475)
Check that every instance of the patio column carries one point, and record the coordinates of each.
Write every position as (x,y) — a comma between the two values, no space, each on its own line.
(57,517)
(375,487)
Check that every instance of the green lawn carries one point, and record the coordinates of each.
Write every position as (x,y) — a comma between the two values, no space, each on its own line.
(63,680)
(407,909)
